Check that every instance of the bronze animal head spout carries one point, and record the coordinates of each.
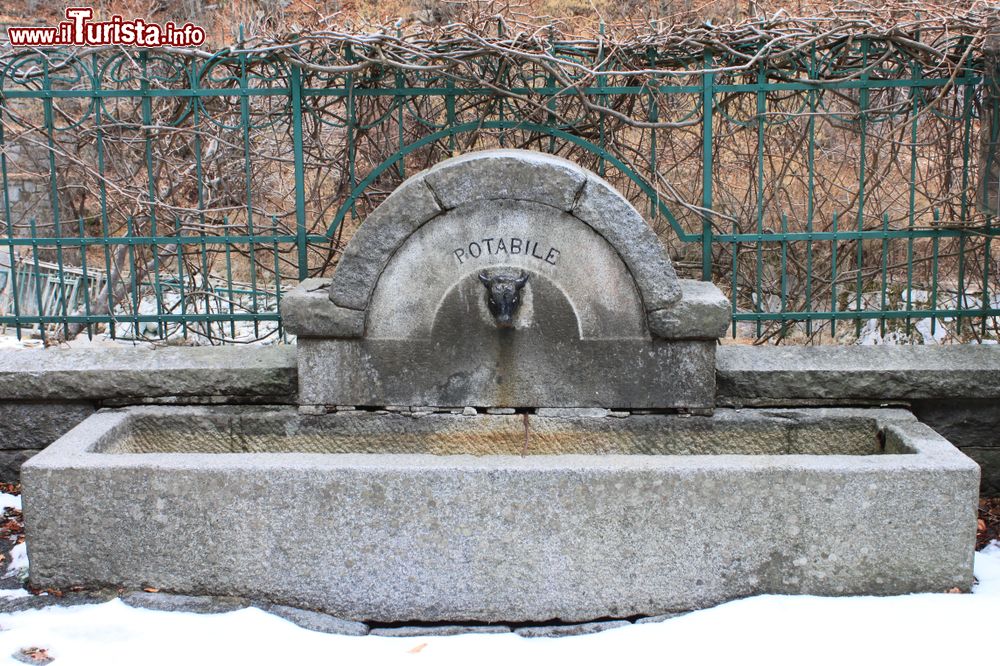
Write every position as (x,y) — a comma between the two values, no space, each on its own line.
(503,295)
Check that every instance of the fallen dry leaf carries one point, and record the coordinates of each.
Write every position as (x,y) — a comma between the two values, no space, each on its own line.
(150,589)
(36,655)
(417,648)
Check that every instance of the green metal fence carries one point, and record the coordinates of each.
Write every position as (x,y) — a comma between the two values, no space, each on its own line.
(165,195)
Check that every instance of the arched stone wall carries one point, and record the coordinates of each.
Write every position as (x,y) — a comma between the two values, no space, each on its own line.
(511,176)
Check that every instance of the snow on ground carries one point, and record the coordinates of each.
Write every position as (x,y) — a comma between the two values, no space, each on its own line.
(10,341)
(916,629)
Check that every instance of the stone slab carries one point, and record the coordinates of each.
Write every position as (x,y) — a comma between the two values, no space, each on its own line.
(702,312)
(570,412)
(513,175)
(656,619)
(97,374)
(501,539)
(856,372)
(162,601)
(520,372)
(33,602)
(35,425)
(314,621)
(440,630)
(560,630)
(308,312)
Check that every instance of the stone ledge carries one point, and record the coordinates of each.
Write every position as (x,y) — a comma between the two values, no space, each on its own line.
(308,312)
(884,373)
(98,374)
(745,373)
(702,313)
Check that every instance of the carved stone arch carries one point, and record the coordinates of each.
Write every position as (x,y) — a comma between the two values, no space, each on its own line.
(510,175)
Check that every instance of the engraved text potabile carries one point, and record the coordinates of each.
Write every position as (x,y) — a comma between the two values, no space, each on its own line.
(509,246)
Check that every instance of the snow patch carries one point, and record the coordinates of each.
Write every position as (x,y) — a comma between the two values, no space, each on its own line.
(8,501)
(987,568)
(18,566)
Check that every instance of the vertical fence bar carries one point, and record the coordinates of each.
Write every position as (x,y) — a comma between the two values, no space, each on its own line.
(863,96)
(275,249)
(103,195)
(935,246)
(295,83)
(809,273)
(85,280)
(133,277)
(834,246)
(784,270)
(230,294)
(33,230)
(180,276)
(810,185)
(915,75)
(885,269)
(400,102)
(350,130)
(15,296)
(654,117)
(602,82)
(735,282)
(987,174)
(248,175)
(49,120)
(550,83)
(994,133)
(987,260)
(206,283)
(965,213)
(707,107)
(154,248)
(761,103)
(961,283)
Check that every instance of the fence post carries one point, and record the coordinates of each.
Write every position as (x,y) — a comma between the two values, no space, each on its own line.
(295,84)
(707,96)
(988,194)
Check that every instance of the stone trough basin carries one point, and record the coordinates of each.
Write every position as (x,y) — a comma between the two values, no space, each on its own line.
(501,518)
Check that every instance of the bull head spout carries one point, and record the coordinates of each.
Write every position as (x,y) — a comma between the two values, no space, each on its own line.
(503,295)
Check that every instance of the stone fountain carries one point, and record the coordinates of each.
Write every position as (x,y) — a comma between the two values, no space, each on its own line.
(506,414)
